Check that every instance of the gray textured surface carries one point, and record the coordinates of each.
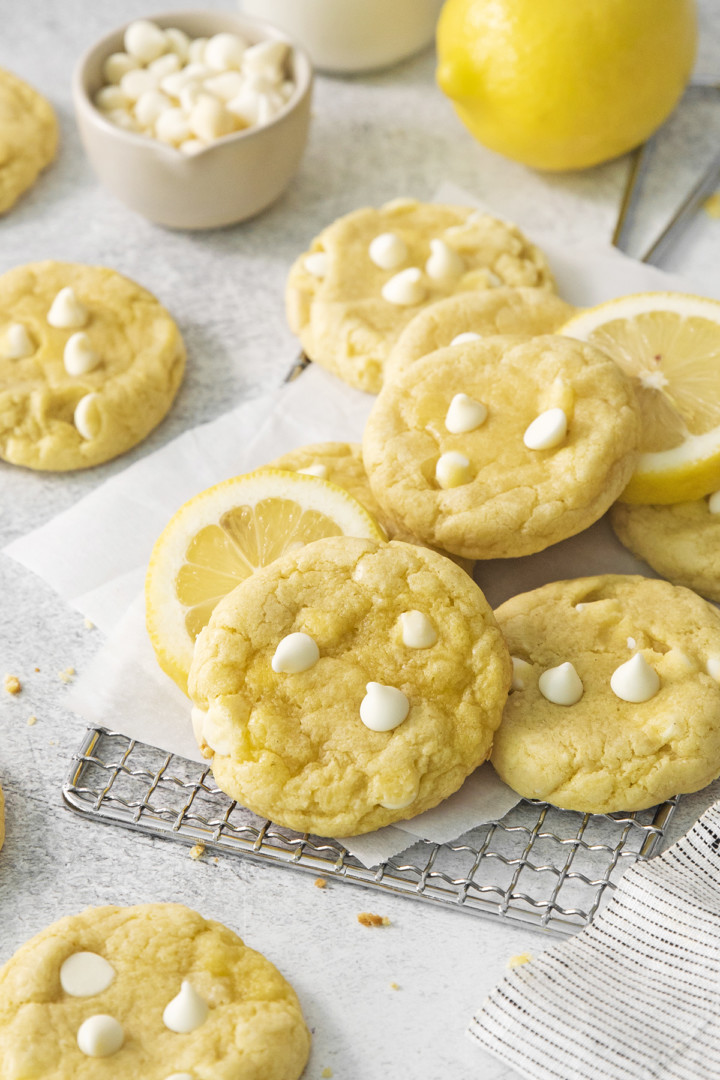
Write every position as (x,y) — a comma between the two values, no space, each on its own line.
(371,139)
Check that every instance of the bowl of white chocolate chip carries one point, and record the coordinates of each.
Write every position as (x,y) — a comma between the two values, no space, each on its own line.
(197,119)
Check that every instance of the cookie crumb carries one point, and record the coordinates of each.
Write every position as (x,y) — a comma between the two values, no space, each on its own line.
(519,960)
(66,676)
(37,668)
(712,205)
(197,851)
(31,721)
(326,1073)
(366,918)
(12,684)
(53,742)
(89,624)
(394,986)
(320,883)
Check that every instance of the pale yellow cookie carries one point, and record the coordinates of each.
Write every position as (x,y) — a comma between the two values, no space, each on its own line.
(347,302)
(681,542)
(342,464)
(90,363)
(28,137)
(458,471)
(525,312)
(348,685)
(67,1015)
(605,752)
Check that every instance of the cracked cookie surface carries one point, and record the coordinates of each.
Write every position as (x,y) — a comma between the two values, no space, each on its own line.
(522,311)
(681,542)
(254,1028)
(28,137)
(141,362)
(342,318)
(513,500)
(293,747)
(603,754)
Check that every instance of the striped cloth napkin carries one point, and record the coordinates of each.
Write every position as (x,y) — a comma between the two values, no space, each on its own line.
(634,996)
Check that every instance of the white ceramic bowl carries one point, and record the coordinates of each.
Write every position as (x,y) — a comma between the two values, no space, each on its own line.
(234,178)
(347,36)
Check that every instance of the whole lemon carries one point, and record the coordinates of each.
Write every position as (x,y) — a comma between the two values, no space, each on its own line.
(564,84)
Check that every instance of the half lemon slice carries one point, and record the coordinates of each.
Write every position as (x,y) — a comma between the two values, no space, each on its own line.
(222,535)
(670,344)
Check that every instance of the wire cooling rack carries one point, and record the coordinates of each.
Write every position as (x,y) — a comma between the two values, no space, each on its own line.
(541,866)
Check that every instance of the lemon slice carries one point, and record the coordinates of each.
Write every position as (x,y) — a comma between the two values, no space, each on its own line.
(670,344)
(222,535)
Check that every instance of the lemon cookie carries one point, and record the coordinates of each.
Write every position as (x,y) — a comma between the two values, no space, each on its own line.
(500,447)
(616,693)
(342,464)
(89,364)
(348,685)
(367,275)
(681,541)
(28,137)
(525,312)
(153,991)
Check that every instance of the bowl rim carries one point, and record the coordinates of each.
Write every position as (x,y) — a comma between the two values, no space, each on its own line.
(303,74)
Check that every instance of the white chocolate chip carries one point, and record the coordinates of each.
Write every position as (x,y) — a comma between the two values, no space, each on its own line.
(169,64)
(714,503)
(198,717)
(150,105)
(178,42)
(317,263)
(444,263)
(465,414)
(86,417)
(191,147)
(462,339)
(18,343)
(561,685)
(190,95)
(713,668)
(196,50)
(100,1036)
(521,671)
(635,680)
(406,288)
(398,804)
(383,707)
(123,119)
(452,469)
(79,357)
(296,652)
(267,57)
(417,632)
(85,974)
(388,251)
(269,105)
(225,52)
(225,86)
(145,41)
(210,119)
(66,311)
(631,643)
(137,83)
(246,106)
(110,97)
(173,84)
(172,127)
(216,734)
(186,1012)
(547,430)
(117,65)
(318,470)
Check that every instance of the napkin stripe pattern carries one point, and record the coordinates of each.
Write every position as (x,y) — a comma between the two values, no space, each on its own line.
(634,996)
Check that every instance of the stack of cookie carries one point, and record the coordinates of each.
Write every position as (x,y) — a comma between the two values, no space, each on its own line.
(350,683)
